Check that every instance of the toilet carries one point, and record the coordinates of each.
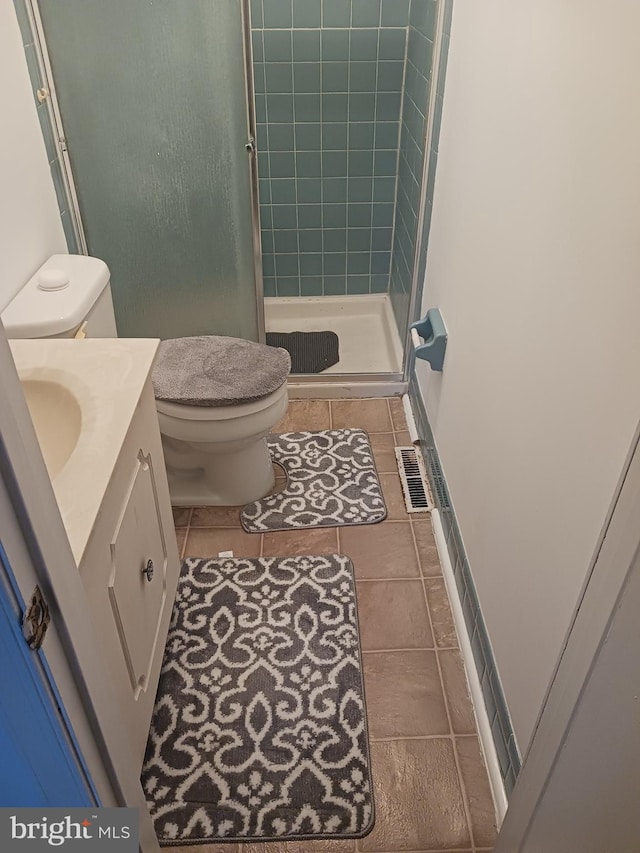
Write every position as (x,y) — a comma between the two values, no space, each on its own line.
(217,397)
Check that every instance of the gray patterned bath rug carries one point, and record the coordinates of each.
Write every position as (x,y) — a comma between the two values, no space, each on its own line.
(259,729)
(331,480)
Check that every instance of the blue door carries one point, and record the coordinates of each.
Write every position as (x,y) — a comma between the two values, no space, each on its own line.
(40,764)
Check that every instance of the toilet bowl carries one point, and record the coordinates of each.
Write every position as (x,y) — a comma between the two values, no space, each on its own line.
(219,455)
(217,397)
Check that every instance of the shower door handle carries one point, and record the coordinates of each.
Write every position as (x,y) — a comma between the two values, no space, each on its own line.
(251,145)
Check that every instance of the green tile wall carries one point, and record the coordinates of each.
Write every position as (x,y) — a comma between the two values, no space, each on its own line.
(412,152)
(329,77)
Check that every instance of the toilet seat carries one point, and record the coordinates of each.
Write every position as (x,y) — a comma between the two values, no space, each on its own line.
(211,371)
(221,424)
(182,411)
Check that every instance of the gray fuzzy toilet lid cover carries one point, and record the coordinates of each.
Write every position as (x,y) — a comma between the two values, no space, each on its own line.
(211,370)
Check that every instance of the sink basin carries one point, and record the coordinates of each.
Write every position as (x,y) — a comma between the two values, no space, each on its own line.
(57,419)
(82,396)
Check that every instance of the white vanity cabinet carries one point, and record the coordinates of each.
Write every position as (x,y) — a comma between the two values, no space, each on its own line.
(130,570)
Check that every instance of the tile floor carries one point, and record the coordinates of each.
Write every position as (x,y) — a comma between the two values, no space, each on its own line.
(430,783)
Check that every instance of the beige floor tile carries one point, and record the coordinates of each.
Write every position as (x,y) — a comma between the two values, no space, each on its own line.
(209,541)
(301,847)
(474,779)
(454,681)
(393,497)
(418,794)
(372,415)
(404,694)
(293,543)
(403,439)
(398,418)
(181,515)
(216,516)
(305,415)
(206,848)
(383,444)
(281,480)
(181,535)
(444,629)
(380,550)
(418,798)
(426,545)
(393,615)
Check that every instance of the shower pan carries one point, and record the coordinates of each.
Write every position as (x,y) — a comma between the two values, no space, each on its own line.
(252,165)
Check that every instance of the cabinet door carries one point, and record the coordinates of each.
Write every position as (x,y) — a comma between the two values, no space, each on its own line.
(138,578)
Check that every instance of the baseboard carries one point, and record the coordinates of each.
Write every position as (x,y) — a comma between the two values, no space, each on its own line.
(475,688)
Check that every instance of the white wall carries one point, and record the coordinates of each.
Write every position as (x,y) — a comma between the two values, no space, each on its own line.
(30,226)
(591,801)
(535,263)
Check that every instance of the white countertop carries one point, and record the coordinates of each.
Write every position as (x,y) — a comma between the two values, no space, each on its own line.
(107,377)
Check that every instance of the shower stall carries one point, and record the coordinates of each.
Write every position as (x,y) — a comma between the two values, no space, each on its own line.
(248,166)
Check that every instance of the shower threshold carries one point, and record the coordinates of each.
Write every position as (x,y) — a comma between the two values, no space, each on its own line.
(370,348)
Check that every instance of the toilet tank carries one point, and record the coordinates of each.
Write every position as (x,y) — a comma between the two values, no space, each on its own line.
(69,296)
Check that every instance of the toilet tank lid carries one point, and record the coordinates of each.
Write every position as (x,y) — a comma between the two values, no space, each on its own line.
(38,313)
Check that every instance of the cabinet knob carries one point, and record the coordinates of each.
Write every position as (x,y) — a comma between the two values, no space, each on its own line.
(149,570)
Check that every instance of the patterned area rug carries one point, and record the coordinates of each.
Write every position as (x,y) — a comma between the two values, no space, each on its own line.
(259,728)
(332,480)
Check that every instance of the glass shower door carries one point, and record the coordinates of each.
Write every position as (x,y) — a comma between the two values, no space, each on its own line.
(153,98)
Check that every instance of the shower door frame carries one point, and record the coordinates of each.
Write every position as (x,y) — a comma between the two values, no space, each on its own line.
(54,114)
(49,97)
(417,286)
(253,165)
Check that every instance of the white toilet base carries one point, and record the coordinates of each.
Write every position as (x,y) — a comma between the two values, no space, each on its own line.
(219,456)
(232,479)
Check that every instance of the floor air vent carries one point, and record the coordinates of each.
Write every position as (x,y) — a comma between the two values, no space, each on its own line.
(414,479)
